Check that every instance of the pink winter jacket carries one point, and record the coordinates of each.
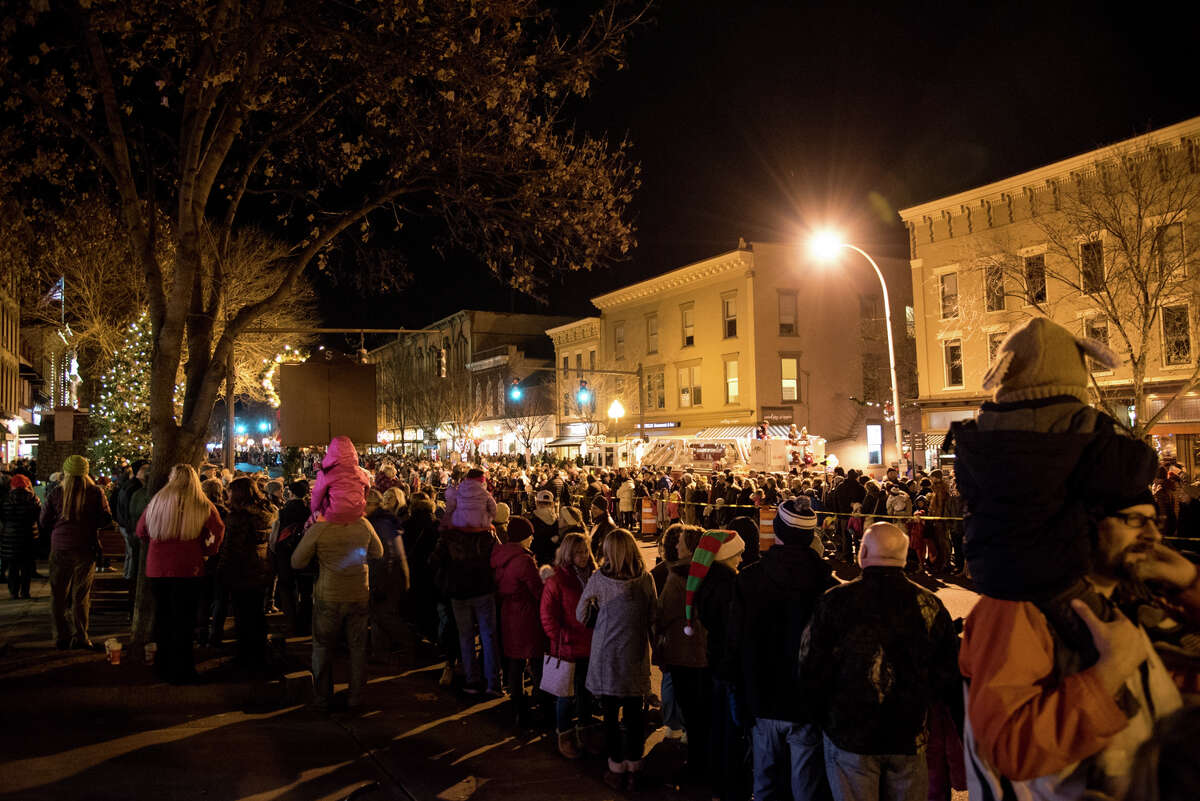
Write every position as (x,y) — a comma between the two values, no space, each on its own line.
(469,506)
(340,491)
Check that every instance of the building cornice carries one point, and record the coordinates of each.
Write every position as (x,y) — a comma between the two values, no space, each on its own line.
(578,331)
(1037,179)
(690,274)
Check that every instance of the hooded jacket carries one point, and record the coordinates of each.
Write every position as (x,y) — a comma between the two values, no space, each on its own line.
(340,491)
(545,534)
(519,590)
(470,506)
(242,562)
(773,601)
(568,638)
(672,647)
(18,525)
(461,563)
(1032,473)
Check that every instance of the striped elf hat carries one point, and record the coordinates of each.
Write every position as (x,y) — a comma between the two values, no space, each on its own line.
(715,546)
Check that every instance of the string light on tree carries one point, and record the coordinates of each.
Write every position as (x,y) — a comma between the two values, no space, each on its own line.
(289,355)
(122,412)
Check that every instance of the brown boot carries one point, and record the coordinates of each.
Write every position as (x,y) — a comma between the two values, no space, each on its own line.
(567,745)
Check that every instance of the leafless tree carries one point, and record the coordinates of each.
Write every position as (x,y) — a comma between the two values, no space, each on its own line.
(532,417)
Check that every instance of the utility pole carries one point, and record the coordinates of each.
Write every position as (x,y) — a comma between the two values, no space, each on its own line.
(230,401)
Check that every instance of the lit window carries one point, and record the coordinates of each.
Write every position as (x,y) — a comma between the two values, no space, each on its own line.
(910,322)
(993,279)
(952,350)
(787,314)
(949,290)
(874,444)
(729,313)
(619,341)
(791,383)
(1035,279)
(652,334)
(656,390)
(731,381)
(689,386)
(1177,337)
(686,314)
(1091,266)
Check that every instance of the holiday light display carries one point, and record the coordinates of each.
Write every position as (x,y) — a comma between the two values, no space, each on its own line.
(290,355)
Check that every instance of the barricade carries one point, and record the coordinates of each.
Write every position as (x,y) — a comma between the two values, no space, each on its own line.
(766,527)
(649,518)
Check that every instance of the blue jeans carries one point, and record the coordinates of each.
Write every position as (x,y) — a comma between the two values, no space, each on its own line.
(787,761)
(727,745)
(330,618)
(870,777)
(478,611)
(672,716)
(576,707)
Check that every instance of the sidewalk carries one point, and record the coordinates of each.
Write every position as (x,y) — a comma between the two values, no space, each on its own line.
(79,728)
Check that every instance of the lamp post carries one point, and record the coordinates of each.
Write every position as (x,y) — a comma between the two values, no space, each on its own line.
(825,246)
(616,410)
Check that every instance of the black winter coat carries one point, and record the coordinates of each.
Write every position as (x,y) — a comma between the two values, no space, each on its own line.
(242,562)
(461,563)
(18,525)
(773,601)
(878,651)
(712,601)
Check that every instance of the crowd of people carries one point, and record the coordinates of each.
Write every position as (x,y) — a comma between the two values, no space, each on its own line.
(1075,676)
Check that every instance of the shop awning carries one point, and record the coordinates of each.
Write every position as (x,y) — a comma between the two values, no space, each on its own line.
(565,442)
(741,432)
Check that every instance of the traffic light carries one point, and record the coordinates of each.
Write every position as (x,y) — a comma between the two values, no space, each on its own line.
(584,396)
(441,362)
(515,392)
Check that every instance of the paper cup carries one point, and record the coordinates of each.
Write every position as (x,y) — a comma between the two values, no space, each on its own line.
(150,651)
(112,647)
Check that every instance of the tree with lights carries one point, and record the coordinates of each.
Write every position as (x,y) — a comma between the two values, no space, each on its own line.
(121,415)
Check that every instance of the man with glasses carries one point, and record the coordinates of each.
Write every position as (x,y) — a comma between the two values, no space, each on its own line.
(1058,707)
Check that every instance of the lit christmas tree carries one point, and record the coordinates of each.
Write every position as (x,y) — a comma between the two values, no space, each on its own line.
(121,417)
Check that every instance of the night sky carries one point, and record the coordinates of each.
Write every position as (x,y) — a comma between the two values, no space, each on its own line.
(758,119)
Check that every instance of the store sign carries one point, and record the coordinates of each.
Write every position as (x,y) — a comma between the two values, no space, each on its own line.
(707,451)
(779,415)
(672,424)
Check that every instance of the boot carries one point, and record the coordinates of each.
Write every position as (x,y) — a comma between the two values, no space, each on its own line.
(567,745)
(614,777)
(447,677)
(632,769)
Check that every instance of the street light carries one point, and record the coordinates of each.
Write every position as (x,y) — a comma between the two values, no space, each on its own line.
(616,411)
(825,246)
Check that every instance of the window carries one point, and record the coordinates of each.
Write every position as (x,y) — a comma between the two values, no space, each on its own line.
(993,287)
(949,288)
(952,350)
(579,365)
(1096,328)
(729,313)
(731,381)
(566,364)
(1177,337)
(566,404)
(910,322)
(592,360)
(787,314)
(652,334)
(689,386)
(874,444)
(790,378)
(656,390)
(1091,266)
(1035,279)
(619,341)
(687,315)
(994,340)
(1167,256)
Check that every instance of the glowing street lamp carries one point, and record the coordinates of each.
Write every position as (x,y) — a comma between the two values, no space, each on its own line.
(825,245)
(615,412)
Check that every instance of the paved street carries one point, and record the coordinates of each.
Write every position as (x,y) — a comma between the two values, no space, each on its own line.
(81,728)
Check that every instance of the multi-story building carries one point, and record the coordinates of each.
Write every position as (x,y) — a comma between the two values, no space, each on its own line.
(10,369)
(757,333)
(450,381)
(1068,240)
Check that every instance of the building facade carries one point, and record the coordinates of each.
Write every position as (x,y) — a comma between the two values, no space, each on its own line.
(758,333)
(11,400)
(1073,241)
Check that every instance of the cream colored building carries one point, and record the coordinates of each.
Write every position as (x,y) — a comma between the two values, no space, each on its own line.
(757,333)
(985,259)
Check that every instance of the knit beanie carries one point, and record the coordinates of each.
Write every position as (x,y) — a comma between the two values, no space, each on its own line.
(715,546)
(1041,359)
(502,513)
(75,465)
(1115,503)
(795,522)
(519,529)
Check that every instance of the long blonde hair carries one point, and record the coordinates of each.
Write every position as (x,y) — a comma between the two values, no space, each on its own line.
(74,495)
(180,509)
(622,557)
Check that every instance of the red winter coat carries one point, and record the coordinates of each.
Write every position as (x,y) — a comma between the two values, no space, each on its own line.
(569,639)
(519,587)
